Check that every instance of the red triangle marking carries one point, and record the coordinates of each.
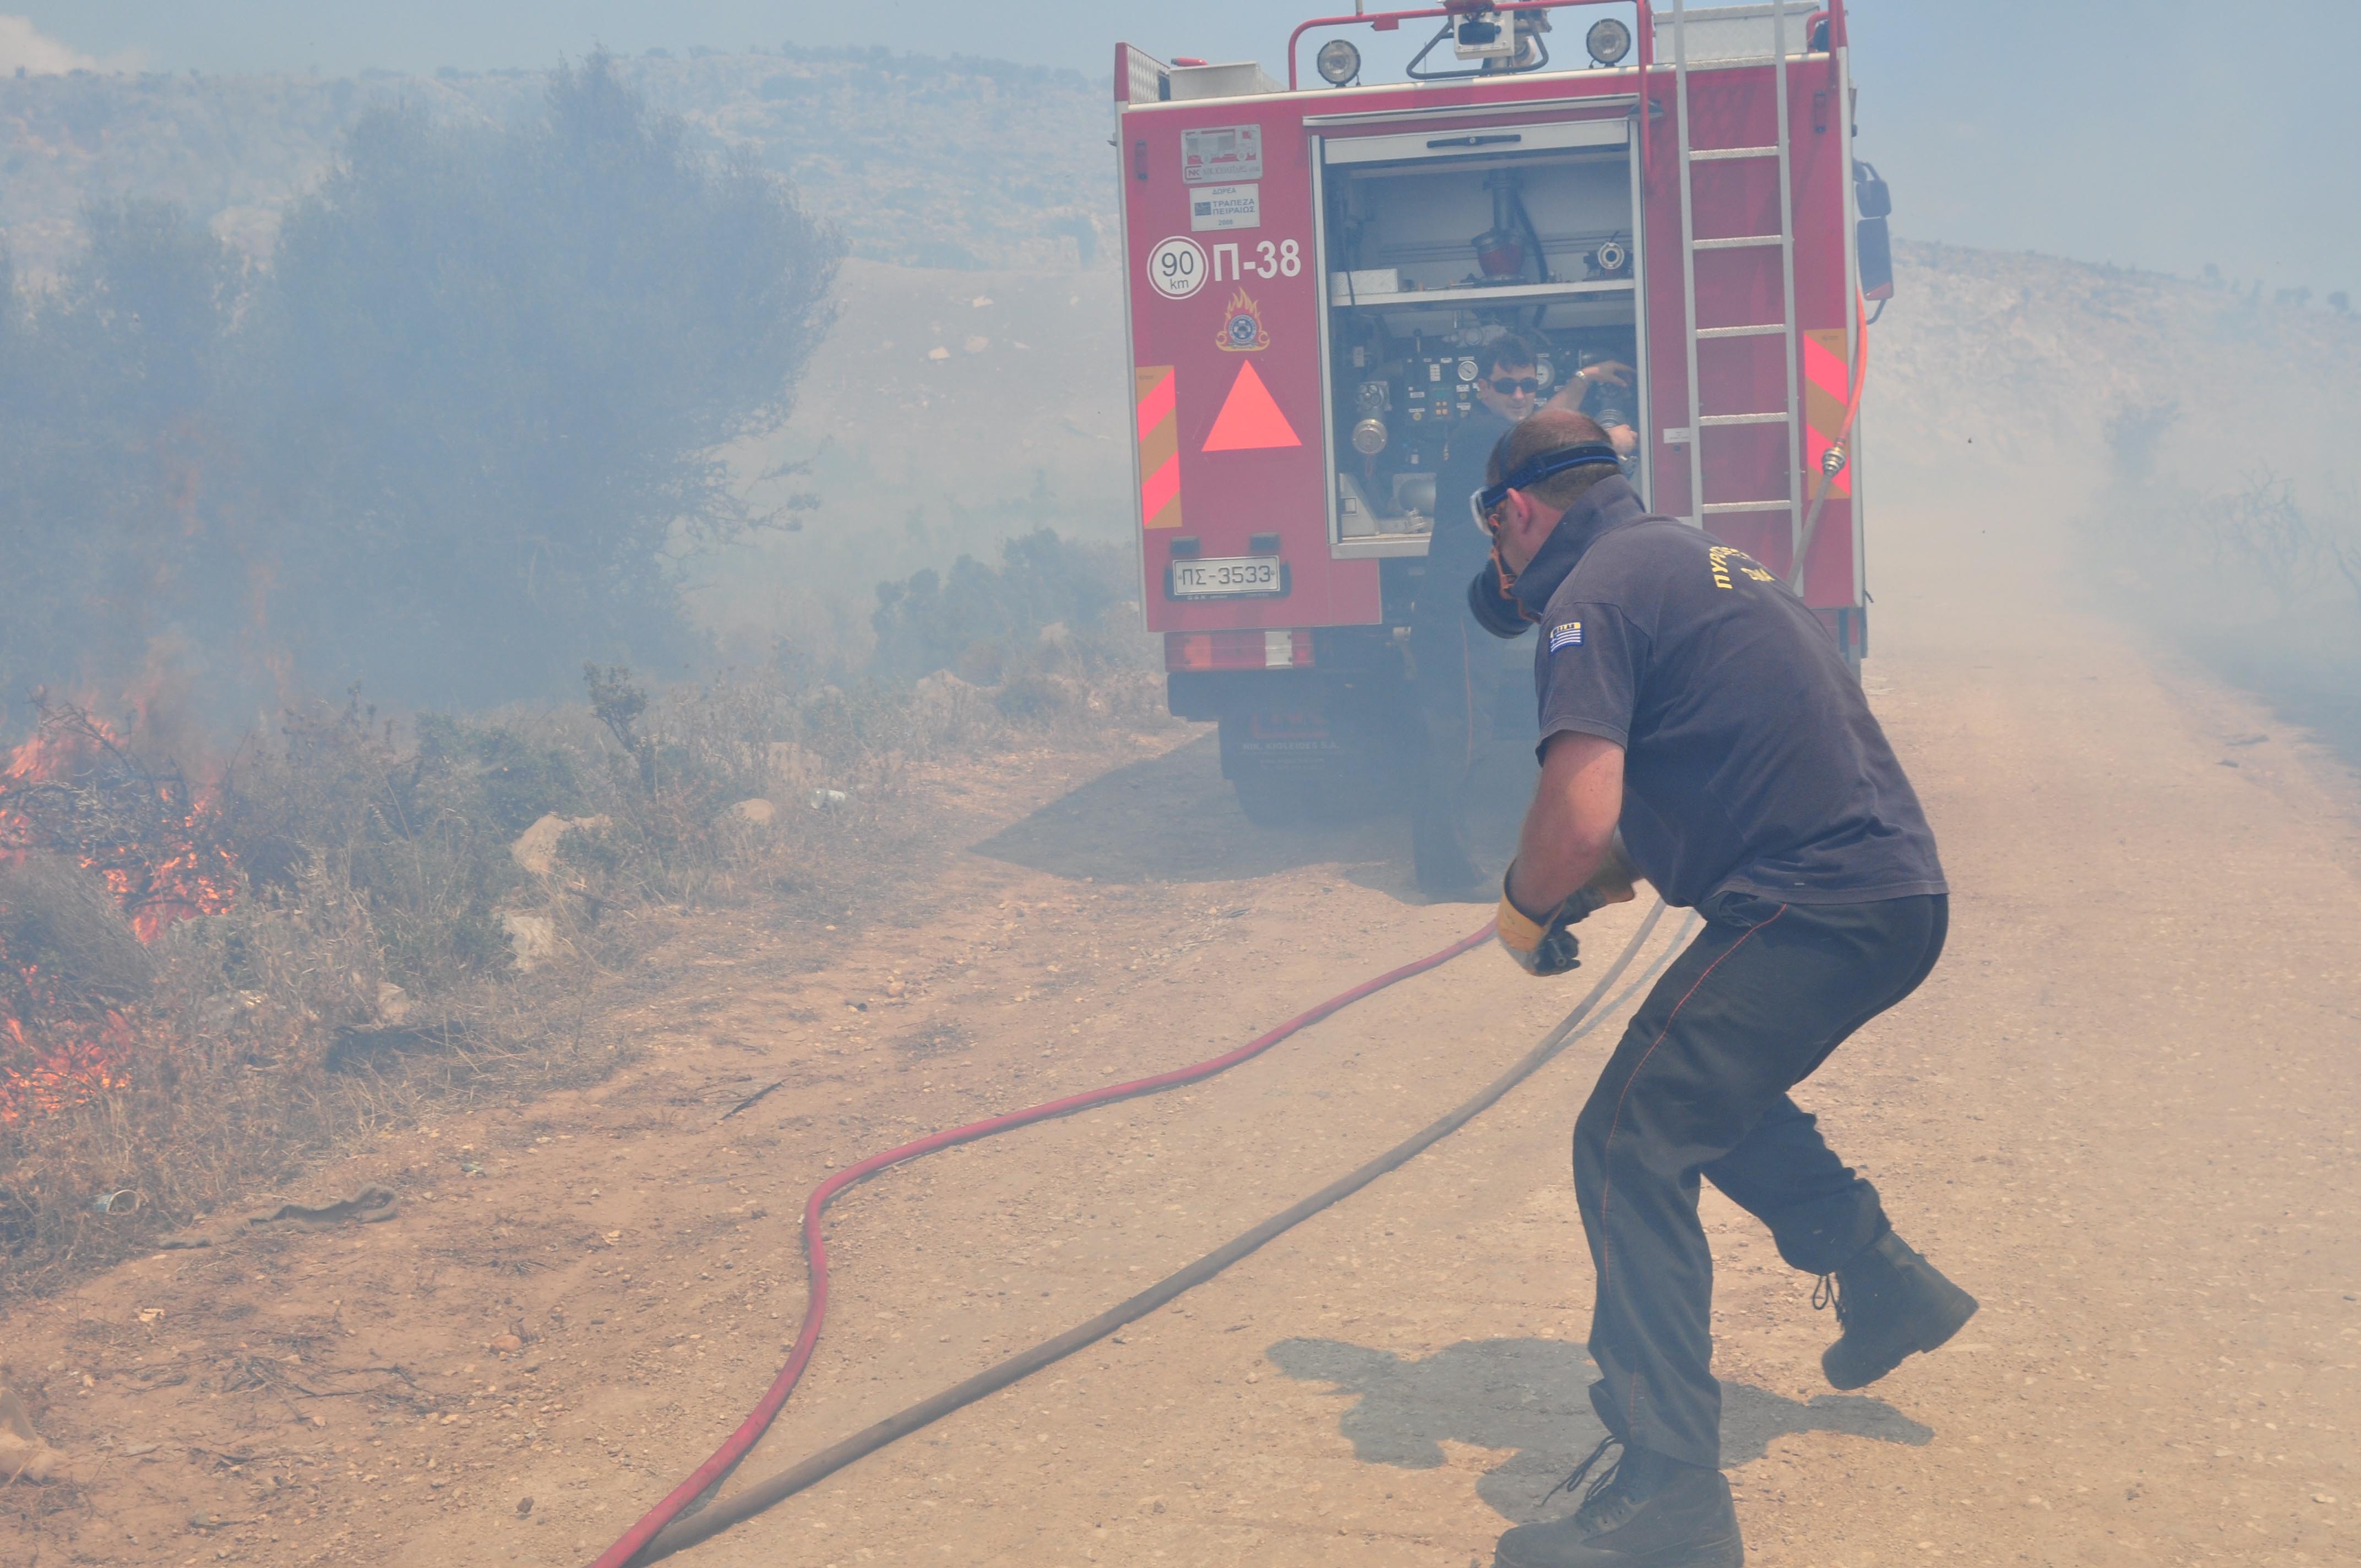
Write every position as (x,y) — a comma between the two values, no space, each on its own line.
(1249,418)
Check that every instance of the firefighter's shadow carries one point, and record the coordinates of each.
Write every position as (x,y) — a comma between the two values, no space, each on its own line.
(1532,1395)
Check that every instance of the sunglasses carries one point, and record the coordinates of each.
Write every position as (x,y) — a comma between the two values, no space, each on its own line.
(1509,388)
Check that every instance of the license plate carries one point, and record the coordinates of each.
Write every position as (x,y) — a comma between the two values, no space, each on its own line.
(1223,576)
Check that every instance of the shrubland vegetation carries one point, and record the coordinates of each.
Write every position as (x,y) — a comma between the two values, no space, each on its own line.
(443,454)
(2253,573)
(394,931)
(453,439)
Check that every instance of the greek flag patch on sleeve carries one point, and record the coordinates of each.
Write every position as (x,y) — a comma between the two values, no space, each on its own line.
(1565,635)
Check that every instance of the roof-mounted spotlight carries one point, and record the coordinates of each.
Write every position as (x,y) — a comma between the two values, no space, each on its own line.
(1338,61)
(1609,41)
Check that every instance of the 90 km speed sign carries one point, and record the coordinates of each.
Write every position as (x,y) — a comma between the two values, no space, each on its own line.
(1177,267)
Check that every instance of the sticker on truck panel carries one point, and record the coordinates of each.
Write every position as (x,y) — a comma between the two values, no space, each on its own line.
(1176,267)
(1224,207)
(1828,387)
(1280,259)
(1221,154)
(1242,329)
(1160,446)
(1250,420)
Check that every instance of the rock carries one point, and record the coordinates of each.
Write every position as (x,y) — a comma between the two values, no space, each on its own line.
(524,1507)
(790,764)
(942,684)
(536,847)
(532,938)
(758,811)
(938,354)
(392,1001)
(944,697)
(507,1344)
(23,1454)
(976,345)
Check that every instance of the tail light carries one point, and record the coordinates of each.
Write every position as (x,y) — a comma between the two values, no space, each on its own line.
(1238,650)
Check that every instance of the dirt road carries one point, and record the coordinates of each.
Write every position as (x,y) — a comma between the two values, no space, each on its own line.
(2125,1111)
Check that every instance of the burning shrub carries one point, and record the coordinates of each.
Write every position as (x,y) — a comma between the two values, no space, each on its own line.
(194,977)
(98,855)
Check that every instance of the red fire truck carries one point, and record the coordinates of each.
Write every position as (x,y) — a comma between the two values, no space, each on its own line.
(1311,268)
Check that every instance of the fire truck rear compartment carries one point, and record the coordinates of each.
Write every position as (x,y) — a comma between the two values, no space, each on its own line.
(1433,243)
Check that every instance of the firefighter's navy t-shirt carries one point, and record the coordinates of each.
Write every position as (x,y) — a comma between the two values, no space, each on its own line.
(1751,762)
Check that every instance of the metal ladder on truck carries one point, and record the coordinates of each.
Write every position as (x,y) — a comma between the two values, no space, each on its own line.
(1701,423)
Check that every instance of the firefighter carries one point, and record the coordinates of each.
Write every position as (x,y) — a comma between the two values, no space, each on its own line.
(1602,388)
(1685,696)
(1454,680)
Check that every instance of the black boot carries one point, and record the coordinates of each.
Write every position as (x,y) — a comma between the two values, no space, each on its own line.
(1644,1511)
(1890,1302)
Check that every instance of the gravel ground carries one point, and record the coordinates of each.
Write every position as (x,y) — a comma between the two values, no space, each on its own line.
(2123,1111)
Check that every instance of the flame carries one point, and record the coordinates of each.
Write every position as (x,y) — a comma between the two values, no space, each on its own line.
(74,790)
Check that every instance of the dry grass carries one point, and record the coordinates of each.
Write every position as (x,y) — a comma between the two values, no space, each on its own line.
(370,964)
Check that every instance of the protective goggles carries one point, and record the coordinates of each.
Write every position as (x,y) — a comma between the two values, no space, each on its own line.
(1486,501)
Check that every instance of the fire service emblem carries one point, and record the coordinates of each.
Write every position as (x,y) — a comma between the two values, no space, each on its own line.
(1242,329)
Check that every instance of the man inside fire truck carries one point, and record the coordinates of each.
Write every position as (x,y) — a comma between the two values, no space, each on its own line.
(1687,697)
(1453,685)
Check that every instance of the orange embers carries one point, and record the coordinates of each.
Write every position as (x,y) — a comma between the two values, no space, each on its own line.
(74,792)
(61,1063)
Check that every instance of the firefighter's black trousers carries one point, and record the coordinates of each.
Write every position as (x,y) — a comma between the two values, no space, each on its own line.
(1698,1088)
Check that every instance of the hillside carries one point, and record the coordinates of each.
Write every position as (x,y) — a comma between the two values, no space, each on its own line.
(956,163)
(2032,357)
(2188,441)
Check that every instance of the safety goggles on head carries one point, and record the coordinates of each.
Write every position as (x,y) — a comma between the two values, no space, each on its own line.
(1509,385)
(1548,464)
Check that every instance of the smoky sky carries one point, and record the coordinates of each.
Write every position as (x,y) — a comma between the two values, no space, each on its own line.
(2161,134)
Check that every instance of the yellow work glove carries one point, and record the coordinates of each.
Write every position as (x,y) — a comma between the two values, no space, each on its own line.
(1543,947)
(1548,946)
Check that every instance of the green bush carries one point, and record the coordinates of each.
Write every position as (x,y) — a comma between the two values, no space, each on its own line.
(448,440)
(1050,601)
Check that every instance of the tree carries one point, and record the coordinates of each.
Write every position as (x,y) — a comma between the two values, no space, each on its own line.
(454,440)
(495,371)
(111,432)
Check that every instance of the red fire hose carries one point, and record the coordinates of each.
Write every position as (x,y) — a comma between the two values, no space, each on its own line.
(726,1458)
(688,1530)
